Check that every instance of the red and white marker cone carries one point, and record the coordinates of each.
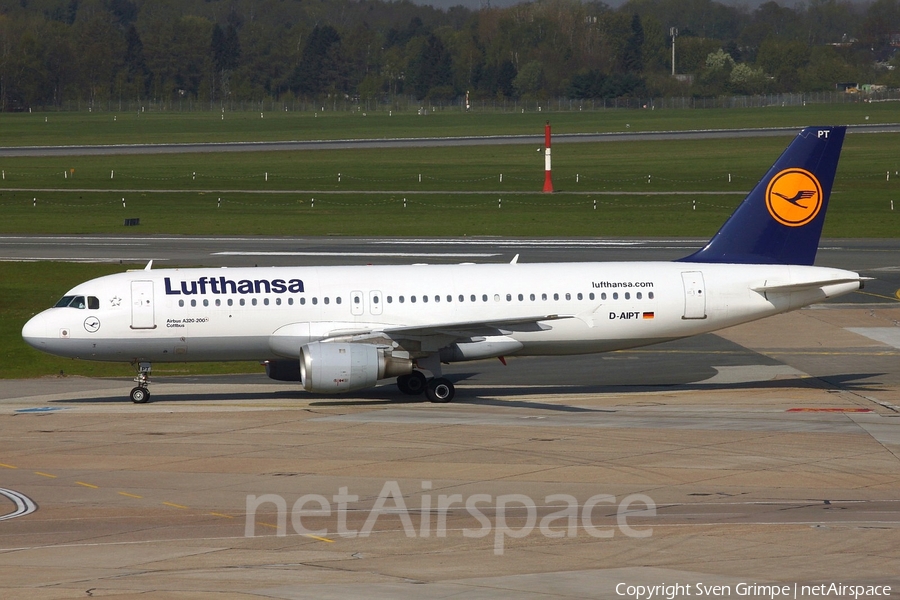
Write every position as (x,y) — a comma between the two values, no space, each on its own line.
(548,178)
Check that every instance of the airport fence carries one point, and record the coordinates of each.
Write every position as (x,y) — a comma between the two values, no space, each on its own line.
(405,104)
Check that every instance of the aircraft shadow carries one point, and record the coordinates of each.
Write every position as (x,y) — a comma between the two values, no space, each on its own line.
(849,382)
(389,395)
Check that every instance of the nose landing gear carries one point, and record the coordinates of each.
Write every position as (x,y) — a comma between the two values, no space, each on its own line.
(140,394)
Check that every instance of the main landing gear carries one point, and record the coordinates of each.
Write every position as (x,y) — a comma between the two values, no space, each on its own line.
(439,389)
(140,394)
(412,384)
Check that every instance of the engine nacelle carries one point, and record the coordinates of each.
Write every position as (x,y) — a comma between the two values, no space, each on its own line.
(329,368)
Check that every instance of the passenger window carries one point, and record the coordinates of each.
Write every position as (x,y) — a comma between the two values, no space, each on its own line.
(615,295)
(532,297)
(253,301)
(193,303)
(218,302)
(650,295)
(628,295)
(242,302)
(556,296)
(93,303)
(484,297)
(543,296)
(356,300)
(521,297)
(603,296)
(449,298)
(402,299)
(580,297)
(425,298)
(303,301)
(230,302)
(205,302)
(327,300)
(472,298)
(265,301)
(277,301)
(462,298)
(591,296)
(412,299)
(315,300)
(509,297)
(568,296)
(181,303)
(290,301)
(639,296)
(337,300)
(390,299)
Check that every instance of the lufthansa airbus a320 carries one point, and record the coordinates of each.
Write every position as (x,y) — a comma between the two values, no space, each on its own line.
(341,329)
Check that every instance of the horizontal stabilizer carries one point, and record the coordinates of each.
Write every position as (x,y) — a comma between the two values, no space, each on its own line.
(808,285)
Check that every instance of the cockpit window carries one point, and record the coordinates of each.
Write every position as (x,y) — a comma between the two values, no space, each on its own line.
(93,302)
(73,302)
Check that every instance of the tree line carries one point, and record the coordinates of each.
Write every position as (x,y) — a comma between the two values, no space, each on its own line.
(56,52)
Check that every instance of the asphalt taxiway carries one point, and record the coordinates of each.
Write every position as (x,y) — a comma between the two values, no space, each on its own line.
(875,258)
(764,454)
(431,142)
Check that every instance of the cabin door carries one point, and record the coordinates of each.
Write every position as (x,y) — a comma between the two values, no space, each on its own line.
(142,313)
(694,295)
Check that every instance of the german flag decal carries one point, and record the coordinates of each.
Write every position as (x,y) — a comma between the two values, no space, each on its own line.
(647,315)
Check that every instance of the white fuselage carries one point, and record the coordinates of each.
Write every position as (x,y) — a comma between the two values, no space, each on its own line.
(270,313)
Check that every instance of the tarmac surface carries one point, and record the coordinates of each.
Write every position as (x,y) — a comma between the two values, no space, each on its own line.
(875,258)
(765,454)
(486,140)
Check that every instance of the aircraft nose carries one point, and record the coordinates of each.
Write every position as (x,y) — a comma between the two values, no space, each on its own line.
(35,331)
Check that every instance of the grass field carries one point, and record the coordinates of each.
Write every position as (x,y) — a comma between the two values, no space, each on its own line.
(640,188)
(58,129)
(457,194)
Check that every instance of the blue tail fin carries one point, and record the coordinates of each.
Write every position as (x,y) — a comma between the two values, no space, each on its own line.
(781,220)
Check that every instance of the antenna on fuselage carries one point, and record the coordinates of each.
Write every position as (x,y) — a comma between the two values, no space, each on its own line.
(149,266)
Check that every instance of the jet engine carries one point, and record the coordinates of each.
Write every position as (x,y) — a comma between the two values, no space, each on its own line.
(331,367)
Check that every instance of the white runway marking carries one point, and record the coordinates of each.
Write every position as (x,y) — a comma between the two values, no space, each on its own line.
(24,504)
(75,259)
(376,254)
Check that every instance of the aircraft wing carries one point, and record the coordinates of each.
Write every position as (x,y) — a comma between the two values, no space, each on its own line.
(470,328)
(455,329)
